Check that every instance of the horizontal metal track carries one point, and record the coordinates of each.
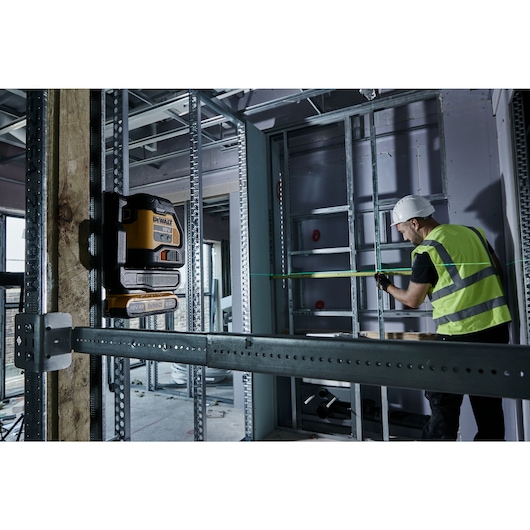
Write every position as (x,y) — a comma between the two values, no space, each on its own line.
(382,103)
(467,368)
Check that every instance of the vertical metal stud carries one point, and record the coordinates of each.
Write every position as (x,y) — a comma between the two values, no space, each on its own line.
(97,175)
(245,273)
(288,228)
(441,133)
(35,272)
(377,250)
(355,392)
(286,241)
(523,179)
(152,366)
(195,273)
(521,155)
(120,175)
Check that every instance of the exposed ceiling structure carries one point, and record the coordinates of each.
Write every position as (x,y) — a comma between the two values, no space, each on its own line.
(159,132)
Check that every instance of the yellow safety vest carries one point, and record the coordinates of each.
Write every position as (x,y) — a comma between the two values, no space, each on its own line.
(468,296)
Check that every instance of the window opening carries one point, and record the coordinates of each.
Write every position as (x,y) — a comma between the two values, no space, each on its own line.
(14,252)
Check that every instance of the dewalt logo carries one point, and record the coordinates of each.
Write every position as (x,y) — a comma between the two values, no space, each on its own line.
(162,220)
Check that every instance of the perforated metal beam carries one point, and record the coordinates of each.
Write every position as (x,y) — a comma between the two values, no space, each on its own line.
(194,231)
(120,184)
(35,271)
(467,368)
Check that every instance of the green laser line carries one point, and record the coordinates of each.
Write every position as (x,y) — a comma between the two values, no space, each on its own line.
(350,273)
(338,274)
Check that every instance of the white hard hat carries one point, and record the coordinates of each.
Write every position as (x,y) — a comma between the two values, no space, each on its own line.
(409,207)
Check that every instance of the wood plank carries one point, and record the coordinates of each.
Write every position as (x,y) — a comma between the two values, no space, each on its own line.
(73,383)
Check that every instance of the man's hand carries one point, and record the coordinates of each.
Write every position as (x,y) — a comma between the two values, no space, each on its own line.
(382,281)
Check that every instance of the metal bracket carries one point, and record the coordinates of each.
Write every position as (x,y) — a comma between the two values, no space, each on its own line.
(43,342)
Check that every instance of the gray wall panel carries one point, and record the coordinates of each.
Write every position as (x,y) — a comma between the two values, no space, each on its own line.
(476,190)
(473,178)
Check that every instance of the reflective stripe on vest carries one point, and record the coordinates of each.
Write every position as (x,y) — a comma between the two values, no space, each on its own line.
(471,311)
(452,269)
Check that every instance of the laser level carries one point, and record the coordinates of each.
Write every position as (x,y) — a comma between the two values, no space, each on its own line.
(143,252)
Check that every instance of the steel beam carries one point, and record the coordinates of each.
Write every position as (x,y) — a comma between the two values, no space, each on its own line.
(194,233)
(385,102)
(120,184)
(285,100)
(97,185)
(457,367)
(36,240)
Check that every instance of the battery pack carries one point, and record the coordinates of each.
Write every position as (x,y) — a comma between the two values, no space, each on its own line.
(138,305)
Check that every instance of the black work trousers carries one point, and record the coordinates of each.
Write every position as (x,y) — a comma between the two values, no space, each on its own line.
(445,408)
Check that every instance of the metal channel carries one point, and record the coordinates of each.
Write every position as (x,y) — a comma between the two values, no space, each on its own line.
(355,392)
(377,250)
(519,127)
(120,184)
(285,100)
(248,407)
(97,182)
(151,345)
(285,259)
(195,259)
(287,245)
(466,368)
(36,240)
(521,168)
(152,366)
(385,102)
(443,150)
(287,191)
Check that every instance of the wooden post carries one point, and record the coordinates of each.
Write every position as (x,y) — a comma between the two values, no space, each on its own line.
(68,411)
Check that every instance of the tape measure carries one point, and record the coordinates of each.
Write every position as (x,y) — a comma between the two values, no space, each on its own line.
(143,251)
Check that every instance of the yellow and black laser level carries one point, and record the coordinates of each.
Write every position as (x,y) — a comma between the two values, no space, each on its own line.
(143,251)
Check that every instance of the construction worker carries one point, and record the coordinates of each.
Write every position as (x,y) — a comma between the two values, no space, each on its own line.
(456,267)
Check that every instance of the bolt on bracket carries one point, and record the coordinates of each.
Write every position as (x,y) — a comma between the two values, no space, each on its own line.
(43,342)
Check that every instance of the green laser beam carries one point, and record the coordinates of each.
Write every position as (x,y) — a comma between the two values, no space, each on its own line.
(350,274)
(339,274)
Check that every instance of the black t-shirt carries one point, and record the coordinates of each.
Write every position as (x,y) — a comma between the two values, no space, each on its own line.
(423,270)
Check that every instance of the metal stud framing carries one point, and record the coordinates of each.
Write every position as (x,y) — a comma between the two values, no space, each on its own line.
(523,179)
(355,393)
(245,273)
(194,231)
(97,172)
(520,128)
(377,250)
(35,272)
(286,241)
(120,184)
(347,115)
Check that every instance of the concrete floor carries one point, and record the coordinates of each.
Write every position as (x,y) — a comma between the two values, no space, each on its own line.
(10,412)
(166,414)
